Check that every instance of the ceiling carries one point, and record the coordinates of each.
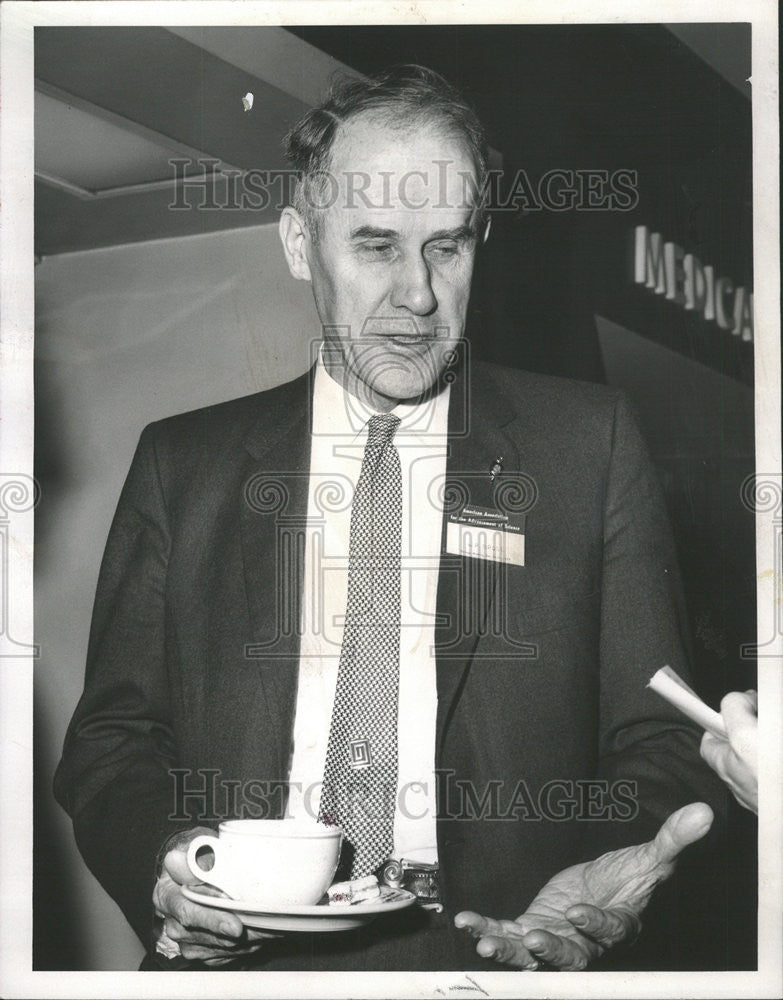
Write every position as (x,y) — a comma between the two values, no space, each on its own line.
(129,120)
(137,128)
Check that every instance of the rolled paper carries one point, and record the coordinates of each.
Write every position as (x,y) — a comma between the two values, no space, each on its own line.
(673,689)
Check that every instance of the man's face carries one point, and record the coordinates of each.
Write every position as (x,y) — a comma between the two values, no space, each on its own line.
(392,264)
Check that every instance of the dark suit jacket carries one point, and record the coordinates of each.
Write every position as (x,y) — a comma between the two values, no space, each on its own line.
(541,669)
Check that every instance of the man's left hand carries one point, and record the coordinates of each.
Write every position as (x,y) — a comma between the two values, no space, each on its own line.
(588,908)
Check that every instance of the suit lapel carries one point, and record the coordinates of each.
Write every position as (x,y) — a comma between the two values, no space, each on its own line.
(273,514)
(477,415)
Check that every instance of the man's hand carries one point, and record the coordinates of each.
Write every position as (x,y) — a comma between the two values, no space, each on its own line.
(586,909)
(736,760)
(203,934)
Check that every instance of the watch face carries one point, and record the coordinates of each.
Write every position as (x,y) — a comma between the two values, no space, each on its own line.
(423,884)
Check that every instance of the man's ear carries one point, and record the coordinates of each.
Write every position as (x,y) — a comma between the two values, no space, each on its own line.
(294,236)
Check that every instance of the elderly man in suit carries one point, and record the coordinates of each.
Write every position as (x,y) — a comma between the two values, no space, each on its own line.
(506,532)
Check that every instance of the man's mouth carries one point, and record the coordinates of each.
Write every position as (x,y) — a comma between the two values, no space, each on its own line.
(402,331)
(407,339)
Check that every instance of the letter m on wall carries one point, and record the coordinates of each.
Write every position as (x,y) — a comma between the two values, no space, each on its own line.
(648,260)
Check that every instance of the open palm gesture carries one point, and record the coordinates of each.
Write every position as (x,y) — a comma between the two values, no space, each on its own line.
(586,909)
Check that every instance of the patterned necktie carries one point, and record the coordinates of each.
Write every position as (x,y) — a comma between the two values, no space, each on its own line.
(360,774)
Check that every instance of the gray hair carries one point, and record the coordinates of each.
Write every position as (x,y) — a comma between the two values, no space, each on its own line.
(400,97)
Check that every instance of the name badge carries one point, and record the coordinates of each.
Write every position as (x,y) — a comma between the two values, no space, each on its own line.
(486,533)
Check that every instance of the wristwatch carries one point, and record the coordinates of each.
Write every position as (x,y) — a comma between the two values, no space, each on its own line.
(423,880)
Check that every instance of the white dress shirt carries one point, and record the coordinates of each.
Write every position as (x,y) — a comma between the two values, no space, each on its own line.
(338,440)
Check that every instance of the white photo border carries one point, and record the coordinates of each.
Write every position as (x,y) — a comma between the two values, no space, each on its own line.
(17,20)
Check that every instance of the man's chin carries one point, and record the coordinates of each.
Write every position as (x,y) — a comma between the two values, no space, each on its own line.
(402,377)
(406,391)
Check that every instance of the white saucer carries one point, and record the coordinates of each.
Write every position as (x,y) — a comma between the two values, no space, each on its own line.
(319,918)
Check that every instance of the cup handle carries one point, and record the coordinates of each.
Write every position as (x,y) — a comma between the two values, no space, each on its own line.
(211,877)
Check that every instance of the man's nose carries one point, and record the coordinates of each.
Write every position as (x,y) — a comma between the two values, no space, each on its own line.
(413,288)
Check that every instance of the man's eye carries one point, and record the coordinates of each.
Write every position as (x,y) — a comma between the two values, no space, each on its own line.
(377,250)
(443,250)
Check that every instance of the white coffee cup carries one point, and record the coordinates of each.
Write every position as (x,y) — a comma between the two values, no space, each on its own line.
(274,862)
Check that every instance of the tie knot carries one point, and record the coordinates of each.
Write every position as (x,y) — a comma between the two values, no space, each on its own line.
(381,429)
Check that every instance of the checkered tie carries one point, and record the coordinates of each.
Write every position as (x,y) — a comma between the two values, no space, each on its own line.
(360,774)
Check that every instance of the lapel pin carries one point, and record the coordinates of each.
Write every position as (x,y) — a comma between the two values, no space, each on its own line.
(496,468)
